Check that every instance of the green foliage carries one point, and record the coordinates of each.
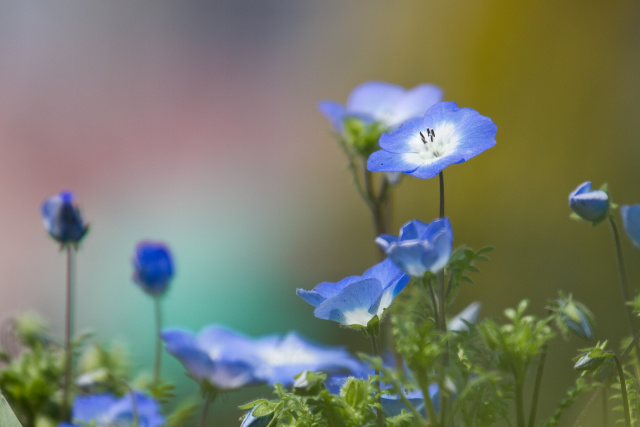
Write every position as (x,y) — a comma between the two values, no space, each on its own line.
(361,138)
(7,417)
(581,386)
(182,413)
(463,262)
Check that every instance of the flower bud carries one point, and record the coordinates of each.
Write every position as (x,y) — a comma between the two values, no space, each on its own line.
(589,205)
(153,267)
(62,219)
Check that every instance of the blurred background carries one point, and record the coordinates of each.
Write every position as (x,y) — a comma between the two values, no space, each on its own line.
(196,123)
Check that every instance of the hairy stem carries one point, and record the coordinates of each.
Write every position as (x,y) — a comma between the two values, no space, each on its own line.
(623,389)
(68,333)
(536,389)
(158,354)
(377,383)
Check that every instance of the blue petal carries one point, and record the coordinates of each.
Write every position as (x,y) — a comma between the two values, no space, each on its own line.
(434,167)
(153,267)
(385,272)
(390,293)
(352,305)
(385,240)
(408,256)
(469,314)
(631,219)
(93,407)
(147,409)
(251,421)
(311,297)
(589,205)
(335,112)
(399,141)
(376,99)
(176,338)
(416,102)
(585,187)
(414,229)
(385,161)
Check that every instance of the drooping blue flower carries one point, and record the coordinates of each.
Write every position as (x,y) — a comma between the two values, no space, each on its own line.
(152,267)
(356,300)
(631,219)
(587,204)
(421,247)
(106,410)
(384,103)
(62,218)
(218,356)
(423,147)
(281,359)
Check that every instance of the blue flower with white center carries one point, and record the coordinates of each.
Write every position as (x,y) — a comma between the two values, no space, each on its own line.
(152,267)
(384,103)
(356,300)
(421,247)
(62,219)
(631,220)
(281,359)
(106,410)
(589,205)
(217,356)
(423,147)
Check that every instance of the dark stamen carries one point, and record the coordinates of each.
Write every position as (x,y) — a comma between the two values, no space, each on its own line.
(424,138)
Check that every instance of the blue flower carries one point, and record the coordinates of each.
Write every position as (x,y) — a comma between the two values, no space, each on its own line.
(421,247)
(589,205)
(384,103)
(106,410)
(281,359)
(392,405)
(62,219)
(356,300)
(153,267)
(218,356)
(631,219)
(423,147)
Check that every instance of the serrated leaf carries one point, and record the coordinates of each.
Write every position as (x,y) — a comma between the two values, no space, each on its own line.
(252,404)
(264,409)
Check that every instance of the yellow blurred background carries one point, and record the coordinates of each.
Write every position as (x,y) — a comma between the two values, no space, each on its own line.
(196,123)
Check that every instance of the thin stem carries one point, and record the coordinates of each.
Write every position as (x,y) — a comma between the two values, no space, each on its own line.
(428,403)
(519,403)
(605,409)
(601,389)
(210,398)
(441,176)
(377,383)
(158,355)
(68,333)
(623,388)
(626,294)
(536,389)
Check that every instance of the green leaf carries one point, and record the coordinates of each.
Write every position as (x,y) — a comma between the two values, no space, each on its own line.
(7,417)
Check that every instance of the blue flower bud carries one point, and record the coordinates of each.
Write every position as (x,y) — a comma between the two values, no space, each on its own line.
(153,267)
(631,219)
(589,205)
(62,219)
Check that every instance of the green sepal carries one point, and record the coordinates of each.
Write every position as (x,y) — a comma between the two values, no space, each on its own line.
(362,137)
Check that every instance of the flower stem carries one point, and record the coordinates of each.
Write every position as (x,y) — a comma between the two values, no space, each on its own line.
(158,355)
(428,402)
(377,383)
(626,294)
(441,176)
(605,409)
(623,388)
(68,333)
(536,389)
(519,403)
(210,398)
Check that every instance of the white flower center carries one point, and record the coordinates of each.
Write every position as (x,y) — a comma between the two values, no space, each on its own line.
(435,143)
(282,355)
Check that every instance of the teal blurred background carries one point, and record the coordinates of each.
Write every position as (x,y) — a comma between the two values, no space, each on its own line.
(196,123)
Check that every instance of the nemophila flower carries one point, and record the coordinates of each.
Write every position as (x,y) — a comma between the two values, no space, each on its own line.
(153,267)
(217,356)
(356,300)
(281,359)
(420,247)
(423,147)
(384,103)
(106,410)
(392,405)
(631,219)
(589,205)
(62,219)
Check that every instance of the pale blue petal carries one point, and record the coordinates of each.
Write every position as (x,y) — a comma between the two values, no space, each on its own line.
(631,219)
(434,167)
(438,251)
(416,102)
(446,112)
(385,272)
(385,161)
(93,407)
(384,240)
(377,99)
(335,112)
(392,290)
(469,314)
(585,187)
(311,297)
(414,229)
(399,141)
(589,205)
(352,305)
(408,256)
